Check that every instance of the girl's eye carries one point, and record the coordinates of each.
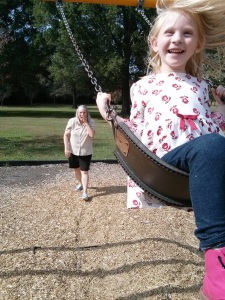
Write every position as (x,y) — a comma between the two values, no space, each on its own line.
(169,33)
(188,32)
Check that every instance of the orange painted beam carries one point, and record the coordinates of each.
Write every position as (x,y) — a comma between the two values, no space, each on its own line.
(147,3)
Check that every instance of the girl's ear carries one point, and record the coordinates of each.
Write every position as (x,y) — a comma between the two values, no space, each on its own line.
(198,49)
(154,44)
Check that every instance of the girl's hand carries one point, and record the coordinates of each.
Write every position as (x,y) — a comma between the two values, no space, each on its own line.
(218,94)
(101,100)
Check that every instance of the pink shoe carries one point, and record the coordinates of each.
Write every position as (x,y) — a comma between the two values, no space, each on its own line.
(214,281)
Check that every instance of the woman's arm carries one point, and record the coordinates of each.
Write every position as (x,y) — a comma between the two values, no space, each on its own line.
(90,127)
(66,140)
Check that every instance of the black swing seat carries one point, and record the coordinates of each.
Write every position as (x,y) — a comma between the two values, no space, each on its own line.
(151,173)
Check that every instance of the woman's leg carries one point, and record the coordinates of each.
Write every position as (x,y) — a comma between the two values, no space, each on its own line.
(77,174)
(85,180)
(85,162)
(74,164)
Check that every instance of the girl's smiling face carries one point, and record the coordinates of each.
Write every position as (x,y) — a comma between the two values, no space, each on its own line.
(176,42)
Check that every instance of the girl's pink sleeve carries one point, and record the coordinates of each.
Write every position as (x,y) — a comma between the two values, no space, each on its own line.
(136,121)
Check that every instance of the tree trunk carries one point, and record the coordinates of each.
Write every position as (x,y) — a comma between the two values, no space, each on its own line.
(74,95)
(126,103)
(127,56)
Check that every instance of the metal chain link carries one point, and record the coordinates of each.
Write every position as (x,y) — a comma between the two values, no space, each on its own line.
(59,6)
(140,10)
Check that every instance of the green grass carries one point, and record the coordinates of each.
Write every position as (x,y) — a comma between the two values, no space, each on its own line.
(36,133)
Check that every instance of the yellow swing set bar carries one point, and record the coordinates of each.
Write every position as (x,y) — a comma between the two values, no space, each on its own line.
(147,3)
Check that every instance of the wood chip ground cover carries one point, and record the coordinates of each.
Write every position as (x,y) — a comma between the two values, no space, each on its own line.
(56,246)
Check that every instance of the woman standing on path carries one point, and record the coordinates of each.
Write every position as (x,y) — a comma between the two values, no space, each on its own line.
(78,147)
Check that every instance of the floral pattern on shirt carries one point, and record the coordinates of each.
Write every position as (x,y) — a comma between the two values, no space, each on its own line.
(169,110)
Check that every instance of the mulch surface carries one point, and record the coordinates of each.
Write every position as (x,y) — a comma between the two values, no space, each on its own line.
(56,246)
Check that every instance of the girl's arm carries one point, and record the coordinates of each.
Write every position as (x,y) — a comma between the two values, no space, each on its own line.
(137,111)
(101,100)
(219,114)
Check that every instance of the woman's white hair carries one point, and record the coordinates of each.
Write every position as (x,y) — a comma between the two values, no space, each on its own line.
(86,109)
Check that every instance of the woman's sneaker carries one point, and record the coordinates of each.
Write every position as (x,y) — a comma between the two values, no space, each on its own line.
(85,197)
(79,187)
(214,281)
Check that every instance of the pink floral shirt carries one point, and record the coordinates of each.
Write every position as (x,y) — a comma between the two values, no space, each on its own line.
(171,109)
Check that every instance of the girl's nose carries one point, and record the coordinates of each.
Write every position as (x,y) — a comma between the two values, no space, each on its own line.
(177,37)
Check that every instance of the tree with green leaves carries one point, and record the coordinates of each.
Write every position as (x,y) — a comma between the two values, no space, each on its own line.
(5,89)
(37,55)
(20,59)
(112,39)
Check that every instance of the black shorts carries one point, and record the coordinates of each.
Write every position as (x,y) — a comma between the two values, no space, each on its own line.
(82,162)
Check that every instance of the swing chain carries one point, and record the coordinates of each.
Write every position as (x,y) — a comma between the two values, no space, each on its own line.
(140,4)
(111,113)
(140,10)
(59,6)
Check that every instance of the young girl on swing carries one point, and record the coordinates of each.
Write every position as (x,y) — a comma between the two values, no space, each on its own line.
(171,115)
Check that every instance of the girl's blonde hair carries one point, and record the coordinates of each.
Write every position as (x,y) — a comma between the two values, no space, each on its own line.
(209,17)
